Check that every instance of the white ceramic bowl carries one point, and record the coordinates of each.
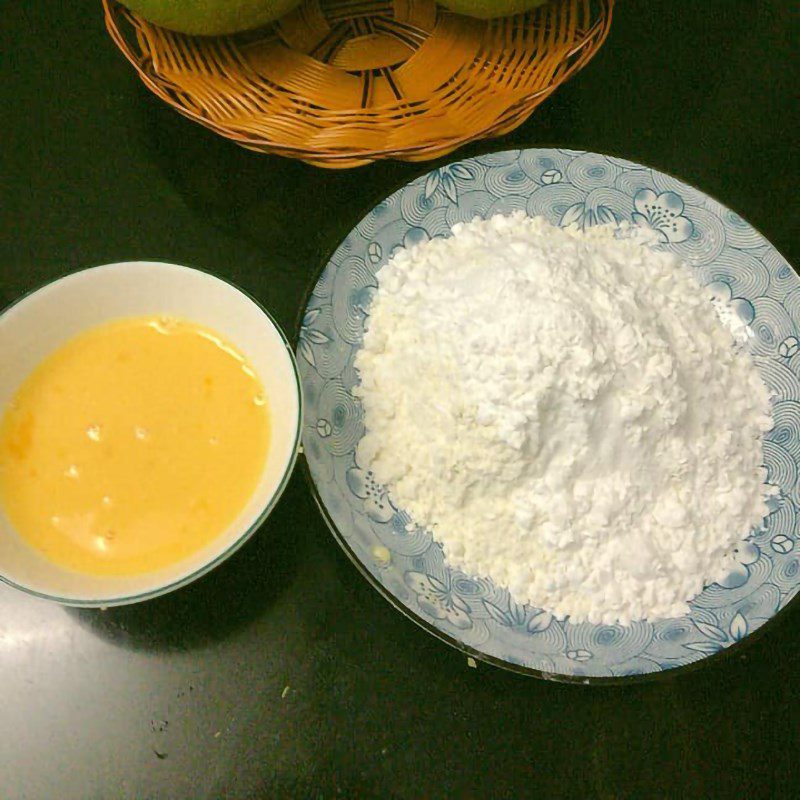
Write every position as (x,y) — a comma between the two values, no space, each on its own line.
(43,320)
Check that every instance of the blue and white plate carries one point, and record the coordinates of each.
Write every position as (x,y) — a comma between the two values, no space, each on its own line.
(567,187)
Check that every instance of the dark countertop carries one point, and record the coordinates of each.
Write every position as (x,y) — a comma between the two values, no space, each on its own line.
(282,673)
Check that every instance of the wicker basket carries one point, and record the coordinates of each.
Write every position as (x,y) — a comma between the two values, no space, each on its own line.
(340,83)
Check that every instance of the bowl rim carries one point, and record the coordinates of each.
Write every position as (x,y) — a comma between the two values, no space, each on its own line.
(121,600)
(734,649)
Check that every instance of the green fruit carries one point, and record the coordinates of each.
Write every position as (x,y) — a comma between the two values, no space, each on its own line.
(486,9)
(210,17)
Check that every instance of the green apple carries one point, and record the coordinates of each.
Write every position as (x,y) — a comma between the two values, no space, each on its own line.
(486,9)
(210,17)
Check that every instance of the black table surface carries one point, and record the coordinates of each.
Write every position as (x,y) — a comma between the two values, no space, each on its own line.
(283,673)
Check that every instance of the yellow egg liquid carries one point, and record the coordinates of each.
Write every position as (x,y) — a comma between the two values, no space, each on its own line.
(132,446)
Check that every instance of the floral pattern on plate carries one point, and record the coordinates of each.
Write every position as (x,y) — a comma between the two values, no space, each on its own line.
(567,187)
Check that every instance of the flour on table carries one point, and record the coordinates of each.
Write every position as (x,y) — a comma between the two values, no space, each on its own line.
(566,413)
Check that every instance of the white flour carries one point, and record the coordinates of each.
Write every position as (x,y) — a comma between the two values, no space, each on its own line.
(567,415)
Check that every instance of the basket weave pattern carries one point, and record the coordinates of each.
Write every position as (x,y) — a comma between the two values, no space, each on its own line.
(340,83)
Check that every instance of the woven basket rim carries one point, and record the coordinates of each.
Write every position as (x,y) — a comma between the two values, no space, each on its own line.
(514,105)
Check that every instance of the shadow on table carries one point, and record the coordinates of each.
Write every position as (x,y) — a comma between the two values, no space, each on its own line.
(287,206)
(279,204)
(221,602)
